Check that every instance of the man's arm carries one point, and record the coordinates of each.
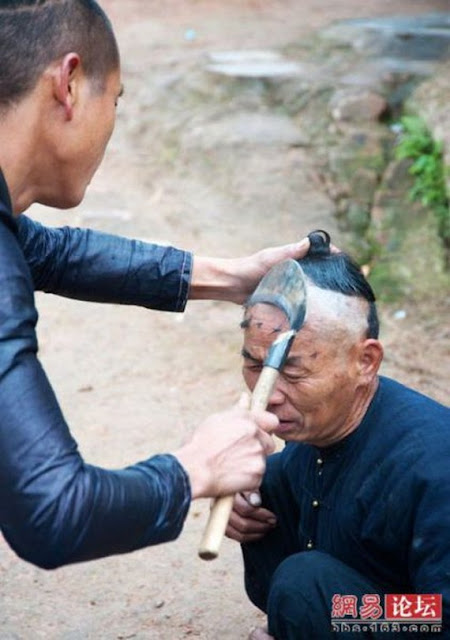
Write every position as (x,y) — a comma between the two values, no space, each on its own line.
(90,265)
(56,509)
(235,279)
(99,267)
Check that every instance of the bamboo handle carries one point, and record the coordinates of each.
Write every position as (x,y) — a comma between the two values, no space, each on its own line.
(221,509)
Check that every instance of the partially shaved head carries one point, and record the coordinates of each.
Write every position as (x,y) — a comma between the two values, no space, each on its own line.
(330,374)
(334,315)
(330,314)
(337,273)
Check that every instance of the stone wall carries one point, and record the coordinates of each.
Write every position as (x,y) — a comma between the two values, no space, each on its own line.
(398,68)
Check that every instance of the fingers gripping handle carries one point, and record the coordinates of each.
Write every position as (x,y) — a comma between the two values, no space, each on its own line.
(221,510)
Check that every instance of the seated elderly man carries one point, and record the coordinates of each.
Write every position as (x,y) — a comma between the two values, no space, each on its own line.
(357,504)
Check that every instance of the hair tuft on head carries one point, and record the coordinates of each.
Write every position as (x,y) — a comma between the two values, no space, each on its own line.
(319,243)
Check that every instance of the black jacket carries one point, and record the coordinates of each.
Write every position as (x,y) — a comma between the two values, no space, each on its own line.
(54,508)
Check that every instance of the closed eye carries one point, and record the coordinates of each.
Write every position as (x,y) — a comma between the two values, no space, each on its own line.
(295,375)
(253,367)
(293,378)
(249,358)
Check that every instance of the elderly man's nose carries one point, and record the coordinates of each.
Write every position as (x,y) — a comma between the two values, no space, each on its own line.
(277,395)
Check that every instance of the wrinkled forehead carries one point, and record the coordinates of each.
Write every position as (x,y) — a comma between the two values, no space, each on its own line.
(265,318)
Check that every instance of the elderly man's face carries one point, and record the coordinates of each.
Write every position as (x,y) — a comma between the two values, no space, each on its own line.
(314,397)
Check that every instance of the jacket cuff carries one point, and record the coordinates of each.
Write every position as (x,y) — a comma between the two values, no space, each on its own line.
(185,282)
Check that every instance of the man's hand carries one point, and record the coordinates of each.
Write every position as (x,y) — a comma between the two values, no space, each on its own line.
(249,522)
(227,452)
(234,279)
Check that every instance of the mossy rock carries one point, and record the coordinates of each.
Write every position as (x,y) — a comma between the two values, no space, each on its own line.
(410,261)
(360,149)
(358,217)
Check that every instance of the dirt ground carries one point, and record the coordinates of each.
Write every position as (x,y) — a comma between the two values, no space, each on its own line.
(133,382)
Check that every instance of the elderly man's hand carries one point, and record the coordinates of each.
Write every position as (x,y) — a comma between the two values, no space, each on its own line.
(234,279)
(248,522)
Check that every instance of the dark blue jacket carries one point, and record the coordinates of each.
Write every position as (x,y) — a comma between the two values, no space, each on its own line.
(54,508)
(383,494)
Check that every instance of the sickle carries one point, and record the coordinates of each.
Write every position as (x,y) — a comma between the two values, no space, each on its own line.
(284,287)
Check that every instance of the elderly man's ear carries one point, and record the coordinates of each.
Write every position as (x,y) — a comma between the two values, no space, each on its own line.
(369,359)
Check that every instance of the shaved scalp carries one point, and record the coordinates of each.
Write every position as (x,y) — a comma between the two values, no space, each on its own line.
(336,316)
(34,33)
(338,273)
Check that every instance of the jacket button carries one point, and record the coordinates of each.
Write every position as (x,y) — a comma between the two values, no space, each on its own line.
(310,545)
(315,504)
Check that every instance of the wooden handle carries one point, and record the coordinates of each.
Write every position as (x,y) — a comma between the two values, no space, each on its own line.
(263,388)
(221,509)
(215,528)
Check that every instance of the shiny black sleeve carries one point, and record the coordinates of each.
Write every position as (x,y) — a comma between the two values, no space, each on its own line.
(54,508)
(99,267)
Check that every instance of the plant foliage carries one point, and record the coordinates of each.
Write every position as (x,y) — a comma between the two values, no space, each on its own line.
(428,169)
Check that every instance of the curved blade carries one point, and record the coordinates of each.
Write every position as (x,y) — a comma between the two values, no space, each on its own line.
(284,287)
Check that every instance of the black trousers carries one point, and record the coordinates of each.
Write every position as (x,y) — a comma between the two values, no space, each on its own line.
(295,588)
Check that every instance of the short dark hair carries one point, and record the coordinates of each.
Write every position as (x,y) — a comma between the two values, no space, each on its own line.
(338,272)
(34,33)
